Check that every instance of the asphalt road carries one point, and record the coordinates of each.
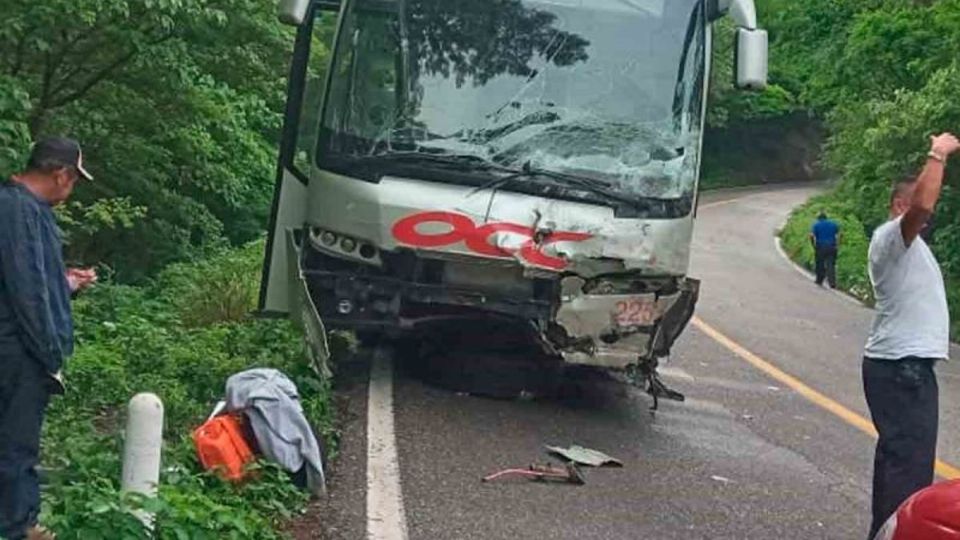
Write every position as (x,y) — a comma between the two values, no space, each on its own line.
(745,457)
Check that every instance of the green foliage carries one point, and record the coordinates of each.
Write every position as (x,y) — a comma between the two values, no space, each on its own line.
(222,288)
(882,140)
(178,104)
(831,54)
(886,75)
(852,257)
(738,147)
(97,510)
(887,139)
(729,104)
(168,338)
(14,135)
(889,50)
(809,40)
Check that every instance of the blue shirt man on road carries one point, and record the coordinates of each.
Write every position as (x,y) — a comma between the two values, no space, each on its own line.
(36,326)
(825,237)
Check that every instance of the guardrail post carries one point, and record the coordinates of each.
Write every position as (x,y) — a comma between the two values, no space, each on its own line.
(142,447)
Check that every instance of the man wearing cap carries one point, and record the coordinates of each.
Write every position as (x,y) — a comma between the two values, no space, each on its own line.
(36,327)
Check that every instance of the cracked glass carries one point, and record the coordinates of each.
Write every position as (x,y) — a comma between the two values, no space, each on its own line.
(607,90)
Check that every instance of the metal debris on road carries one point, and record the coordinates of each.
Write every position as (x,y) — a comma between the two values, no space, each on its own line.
(569,474)
(585,456)
(721,479)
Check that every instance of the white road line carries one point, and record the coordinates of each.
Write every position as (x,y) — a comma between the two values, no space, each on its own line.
(385,516)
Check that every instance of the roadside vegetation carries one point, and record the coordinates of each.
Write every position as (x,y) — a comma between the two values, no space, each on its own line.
(754,138)
(884,75)
(180,336)
(178,105)
(851,268)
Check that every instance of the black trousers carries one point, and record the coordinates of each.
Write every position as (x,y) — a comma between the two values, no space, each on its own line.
(24,393)
(827,265)
(903,400)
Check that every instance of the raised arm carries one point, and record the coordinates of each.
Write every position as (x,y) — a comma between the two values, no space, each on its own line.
(929,185)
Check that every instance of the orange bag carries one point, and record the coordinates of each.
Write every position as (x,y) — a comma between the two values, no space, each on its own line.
(222,446)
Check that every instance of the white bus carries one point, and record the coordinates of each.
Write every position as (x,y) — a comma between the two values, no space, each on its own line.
(534,162)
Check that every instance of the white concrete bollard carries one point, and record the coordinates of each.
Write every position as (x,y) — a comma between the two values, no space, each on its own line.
(142,446)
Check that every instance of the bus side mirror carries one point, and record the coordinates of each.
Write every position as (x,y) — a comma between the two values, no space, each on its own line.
(293,12)
(751,56)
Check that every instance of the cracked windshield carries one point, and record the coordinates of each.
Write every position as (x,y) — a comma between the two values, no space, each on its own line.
(607,92)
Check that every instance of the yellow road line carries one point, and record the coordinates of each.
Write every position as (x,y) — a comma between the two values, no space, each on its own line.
(943,469)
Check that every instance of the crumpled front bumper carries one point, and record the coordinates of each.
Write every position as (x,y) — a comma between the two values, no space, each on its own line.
(616,330)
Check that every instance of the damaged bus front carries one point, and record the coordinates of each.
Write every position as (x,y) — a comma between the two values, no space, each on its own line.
(531,160)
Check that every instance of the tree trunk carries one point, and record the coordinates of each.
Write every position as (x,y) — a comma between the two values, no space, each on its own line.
(37,121)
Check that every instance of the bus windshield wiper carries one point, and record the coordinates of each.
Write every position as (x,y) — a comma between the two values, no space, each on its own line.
(462,161)
(571,180)
(473,162)
(592,185)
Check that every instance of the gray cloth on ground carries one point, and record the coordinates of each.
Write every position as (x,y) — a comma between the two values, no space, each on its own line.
(271,403)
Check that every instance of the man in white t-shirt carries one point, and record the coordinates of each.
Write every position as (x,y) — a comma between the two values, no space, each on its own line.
(910,334)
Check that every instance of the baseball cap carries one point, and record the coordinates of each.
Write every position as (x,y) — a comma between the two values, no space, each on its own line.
(59,151)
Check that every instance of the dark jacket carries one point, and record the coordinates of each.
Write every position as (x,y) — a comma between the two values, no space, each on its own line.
(35,313)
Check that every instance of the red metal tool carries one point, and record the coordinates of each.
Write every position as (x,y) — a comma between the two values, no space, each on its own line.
(569,474)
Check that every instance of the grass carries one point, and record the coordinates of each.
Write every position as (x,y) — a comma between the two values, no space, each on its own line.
(852,257)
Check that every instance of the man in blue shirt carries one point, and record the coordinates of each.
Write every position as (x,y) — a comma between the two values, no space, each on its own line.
(825,237)
(36,327)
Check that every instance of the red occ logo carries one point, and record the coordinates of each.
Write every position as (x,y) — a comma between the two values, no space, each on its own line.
(460,228)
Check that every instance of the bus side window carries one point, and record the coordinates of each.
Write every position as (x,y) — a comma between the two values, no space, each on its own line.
(308,127)
(361,108)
